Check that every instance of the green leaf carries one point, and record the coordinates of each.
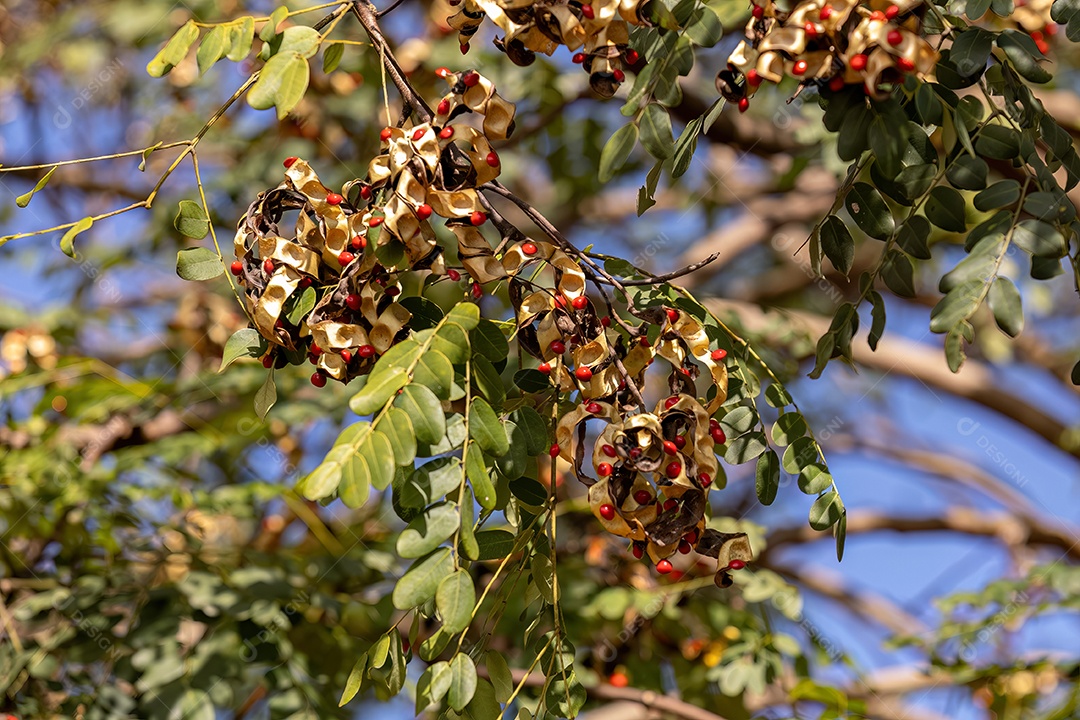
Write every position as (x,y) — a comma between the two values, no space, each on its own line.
(191,220)
(269,30)
(399,431)
(211,49)
(713,115)
(1053,207)
(332,57)
(453,341)
(355,485)
(745,448)
(826,511)
(485,428)
(967,173)
(302,305)
(282,83)
(532,381)
(434,371)
(379,454)
(840,533)
(487,381)
(998,142)
(869,211)
(428,530)
(789,427)
(913,235)
(499,673)
(464,314)
(266,396)
(67,242)
(1024,56)
(174,51)
(837,244)
(945,208)
(999,195)
(462,682)
(887,144)
(957,305)
(494,544)
(1040,239)
(877,313)
(245,342)
(455,599)
(898,274)
(971,50)
(533,428)
(355,681)
(704,28)
(815,479)
(322,482)
(479,477)
(655,128)
(198,264)
(685,148)
(241,36)
(800,454)
(433,684)
(302,40)
(927,105)
(420,583)
(24,200)
(767,477)
(431,482)
(616,151)
(1004,301)
(425,411)
(529,491)
(488,340)
(378,391)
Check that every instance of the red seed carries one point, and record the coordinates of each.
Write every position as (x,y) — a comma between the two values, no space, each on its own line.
(318,379)
(392,292)
(555,450)
(672,315)
(366,351)
(680,441)
(713,423)
(375,221)
(718,436)
(904,65)
(670,504)
(353,301)
(359,242)
(691,537)
(268,361)
(664,567)
(305,283)
(837,83)
(799,68)
(857,62)
(447,132)
(671,402)
(268,266)
(643,497)
(453,274)
(580,303)
(288,162)
(587,12)
(385,134)
(444,107)
(631,57)
(595,408)
(477,291)
(604,469)
(638,549)
(753,79)
(671,449)
(365,192)
(583,374)
(345,258)
(557,346)
(891,12)
(492,159)
(478,218)
(825,12)
(442,72)
(470,78)
(706,481)
(607,511)
(578,58)
(635,453)
(895,37)
(744,104)
(736,564)
(758,12)
(608,450)
(878,16)
(346,355)
(811,31)
(644,341)
(673,470)
(417,134)
(684,547)
(333,199)
(528,248)
(718,354)
(618,74)
(423,211)
(237,268)
(545,368)
(315,350)
(464,49)
(605,321)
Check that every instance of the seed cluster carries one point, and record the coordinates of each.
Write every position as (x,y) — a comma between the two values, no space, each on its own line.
(329,289)
(831,44)
(651,469)
(597,32)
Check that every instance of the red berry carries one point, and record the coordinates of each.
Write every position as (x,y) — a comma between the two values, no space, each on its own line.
(635,453)
(753,79)
(352,300)
(684,547)
(447,132)
(718,436)
(643,497)
(673,469)
(316,350)
(758,12)
(744,104)
(288,162)
(318,379)
(492,159)
(638,549)
(671,402)
(477,291)
(268,361)
(608,450)
(713,423)
(375,221)
(305,283)
(603,470)
(470,78)
(464,49)
(583,374)
(528,248)
(587,12)
(358,243)
(878,16)
(578,58)
(580,303)
(237,268)
(664,567)
(417,134)
(680,441)
(825,12)
(605,321)
(392,292)
(857,62)
(478,218)
(691,537)
(618,74)
(706,481)
(365,192)
(736,564)
(631,57)
(619,680)
(444,107)
(557,346)
(891,12)
(837,83)
(595,408)
(555,450)
(385,134)
(544,368)
(671,449)
(670,504)
(811,31)
(672,315)
(423,211)
(333,199)
(904,65)
(453,274)
(442,72)
(799,68)
(644,341)
(607,511)
(718,354)
(895,37)
(268,266)
(345,258)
